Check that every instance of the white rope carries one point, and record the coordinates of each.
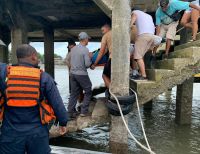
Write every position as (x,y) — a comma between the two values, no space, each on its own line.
(124,121)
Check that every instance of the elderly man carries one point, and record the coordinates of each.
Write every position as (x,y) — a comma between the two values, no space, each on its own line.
(79,79)
(167,19)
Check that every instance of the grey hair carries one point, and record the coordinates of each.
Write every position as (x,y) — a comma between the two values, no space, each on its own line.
(25,50)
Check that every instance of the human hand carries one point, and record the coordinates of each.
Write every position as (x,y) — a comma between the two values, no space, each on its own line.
(90,54)
(63,130)
(92,67)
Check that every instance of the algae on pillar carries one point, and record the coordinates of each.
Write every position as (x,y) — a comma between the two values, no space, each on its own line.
(18,36)
(121,16)
(184,102)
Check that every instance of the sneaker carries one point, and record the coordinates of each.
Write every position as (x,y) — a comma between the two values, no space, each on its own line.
(134,76)
(141,78)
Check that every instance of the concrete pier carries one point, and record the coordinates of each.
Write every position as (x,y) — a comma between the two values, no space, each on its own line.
(184,102)
(18,36)
(121,15)
(49,50)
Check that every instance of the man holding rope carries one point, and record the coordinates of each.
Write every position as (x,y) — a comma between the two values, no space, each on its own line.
(167,19)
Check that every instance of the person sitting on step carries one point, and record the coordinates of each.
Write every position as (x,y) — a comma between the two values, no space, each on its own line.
(190,19)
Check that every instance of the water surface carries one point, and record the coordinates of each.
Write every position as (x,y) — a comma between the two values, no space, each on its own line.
(164,135)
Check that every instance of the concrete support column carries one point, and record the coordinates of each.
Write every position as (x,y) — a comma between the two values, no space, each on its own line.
(18,37)
(49,50)
(4,54)
(184,102)
(121,15)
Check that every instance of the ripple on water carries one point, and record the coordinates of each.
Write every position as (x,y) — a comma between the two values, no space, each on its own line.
(164,135)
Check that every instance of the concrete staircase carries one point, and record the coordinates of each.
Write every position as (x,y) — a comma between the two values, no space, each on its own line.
(182,64)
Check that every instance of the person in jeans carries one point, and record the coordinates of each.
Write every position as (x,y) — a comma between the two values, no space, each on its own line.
(190,19)
(80,62)
(166,26)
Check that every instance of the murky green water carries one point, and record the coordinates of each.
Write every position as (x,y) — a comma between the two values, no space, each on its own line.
(164,135)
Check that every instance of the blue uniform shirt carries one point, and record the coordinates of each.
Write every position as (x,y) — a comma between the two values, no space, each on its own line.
(26,121)
(174,5)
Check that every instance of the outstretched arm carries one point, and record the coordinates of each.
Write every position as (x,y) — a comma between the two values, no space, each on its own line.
(133,19)
(194,6)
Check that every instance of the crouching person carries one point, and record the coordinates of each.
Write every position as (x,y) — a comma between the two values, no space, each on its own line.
(80,62)
(29,101)
(146,40)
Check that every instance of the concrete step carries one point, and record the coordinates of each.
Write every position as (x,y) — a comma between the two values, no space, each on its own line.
(190,52)
(186,45)
(198,36)
(139,86)
(174,64)
(159,74)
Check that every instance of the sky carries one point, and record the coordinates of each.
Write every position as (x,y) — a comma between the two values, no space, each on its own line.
(60,48)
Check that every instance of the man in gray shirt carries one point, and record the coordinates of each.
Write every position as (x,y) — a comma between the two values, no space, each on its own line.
(80,62)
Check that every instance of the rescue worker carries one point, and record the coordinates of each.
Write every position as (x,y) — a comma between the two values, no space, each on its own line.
(25,90)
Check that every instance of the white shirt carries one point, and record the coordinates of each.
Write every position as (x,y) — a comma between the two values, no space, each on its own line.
(144,23)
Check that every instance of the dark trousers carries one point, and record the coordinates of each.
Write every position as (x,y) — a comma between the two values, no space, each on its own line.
(32,144)
(78,83)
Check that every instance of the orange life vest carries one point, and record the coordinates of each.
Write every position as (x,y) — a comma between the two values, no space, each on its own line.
(1,106)
(23,90)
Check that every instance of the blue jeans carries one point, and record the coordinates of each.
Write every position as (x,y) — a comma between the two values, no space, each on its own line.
(32,144)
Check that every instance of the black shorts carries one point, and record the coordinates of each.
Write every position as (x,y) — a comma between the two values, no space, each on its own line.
(107,69)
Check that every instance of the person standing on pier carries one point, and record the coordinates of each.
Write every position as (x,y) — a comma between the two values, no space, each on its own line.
(79,79)
(28,94)
(106,46)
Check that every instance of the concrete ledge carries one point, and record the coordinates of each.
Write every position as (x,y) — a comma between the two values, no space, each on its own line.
(159,74)
(191,52)
(186,45)
(105,5)
(174,64)
(64,150)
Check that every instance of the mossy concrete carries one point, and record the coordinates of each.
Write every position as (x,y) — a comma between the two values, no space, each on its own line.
(159,74)
(174,64)
(190,44)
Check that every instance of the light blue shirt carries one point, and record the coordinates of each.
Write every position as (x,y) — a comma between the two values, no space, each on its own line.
(174,5)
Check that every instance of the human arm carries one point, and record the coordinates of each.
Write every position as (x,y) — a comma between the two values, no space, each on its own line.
(194,6)
(51,93)
(158,30)
(87,59)
(133,19)
(67,59)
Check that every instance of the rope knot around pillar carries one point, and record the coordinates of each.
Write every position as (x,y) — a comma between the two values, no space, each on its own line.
(126,103)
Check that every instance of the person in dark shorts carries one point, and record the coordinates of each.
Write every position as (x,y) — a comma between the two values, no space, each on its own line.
(106,46)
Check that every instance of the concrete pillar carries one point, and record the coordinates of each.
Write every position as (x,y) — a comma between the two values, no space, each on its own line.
(184,102)
(18,36)
(121,15)
(4,54)
(49,51)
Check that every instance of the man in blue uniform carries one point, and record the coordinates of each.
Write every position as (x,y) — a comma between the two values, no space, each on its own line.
(22,131)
